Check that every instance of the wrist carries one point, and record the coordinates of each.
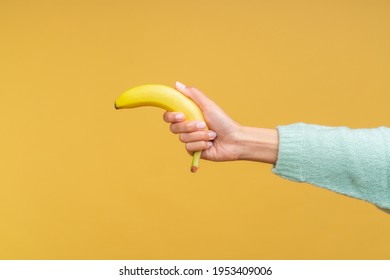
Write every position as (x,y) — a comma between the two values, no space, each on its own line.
(257,144)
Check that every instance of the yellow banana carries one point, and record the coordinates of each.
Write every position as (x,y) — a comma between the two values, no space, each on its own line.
(166,98)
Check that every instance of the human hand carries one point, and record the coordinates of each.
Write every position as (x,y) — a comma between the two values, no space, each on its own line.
(219,142)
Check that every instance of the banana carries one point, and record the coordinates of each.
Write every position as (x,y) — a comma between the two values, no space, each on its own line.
(166,98)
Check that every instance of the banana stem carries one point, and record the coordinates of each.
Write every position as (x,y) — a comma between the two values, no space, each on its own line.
(195,161)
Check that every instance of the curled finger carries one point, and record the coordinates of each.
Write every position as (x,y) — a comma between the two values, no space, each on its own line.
(187,126)
(173,117)
(203,135)
(193,147)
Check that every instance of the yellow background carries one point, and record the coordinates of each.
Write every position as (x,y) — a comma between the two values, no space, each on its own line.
(80,180)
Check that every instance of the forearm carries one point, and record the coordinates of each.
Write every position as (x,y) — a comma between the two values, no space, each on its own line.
(257,144)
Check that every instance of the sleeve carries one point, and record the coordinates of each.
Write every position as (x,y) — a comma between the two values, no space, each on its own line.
(353,162)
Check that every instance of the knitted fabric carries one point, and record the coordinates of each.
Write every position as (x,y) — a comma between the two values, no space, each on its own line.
(353,162)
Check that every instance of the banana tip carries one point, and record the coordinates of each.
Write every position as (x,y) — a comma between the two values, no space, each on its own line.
(194,169)
(115,106)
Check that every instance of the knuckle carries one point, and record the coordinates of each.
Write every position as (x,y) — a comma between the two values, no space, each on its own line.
(166,116)
(188,147)
(173,128)
(182,137)
(189,126)
(170,116)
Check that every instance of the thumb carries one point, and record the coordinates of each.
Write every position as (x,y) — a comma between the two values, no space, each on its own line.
(196,95)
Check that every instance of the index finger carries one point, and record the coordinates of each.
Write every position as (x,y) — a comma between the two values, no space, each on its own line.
(173,117)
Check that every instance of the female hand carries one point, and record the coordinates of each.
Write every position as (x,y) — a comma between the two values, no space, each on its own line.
(219,142)
(225,140)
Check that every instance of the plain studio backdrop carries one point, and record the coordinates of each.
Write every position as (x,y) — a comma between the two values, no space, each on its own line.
(80,180)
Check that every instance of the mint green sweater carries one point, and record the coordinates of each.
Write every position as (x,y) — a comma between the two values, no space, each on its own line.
(353,162)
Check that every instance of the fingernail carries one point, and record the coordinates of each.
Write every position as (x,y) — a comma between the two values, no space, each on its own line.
(179,117)
(209,144)
(212,134)
(201,125)
(180,85)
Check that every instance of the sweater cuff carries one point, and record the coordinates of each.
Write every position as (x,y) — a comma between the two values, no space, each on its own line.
(290,153)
